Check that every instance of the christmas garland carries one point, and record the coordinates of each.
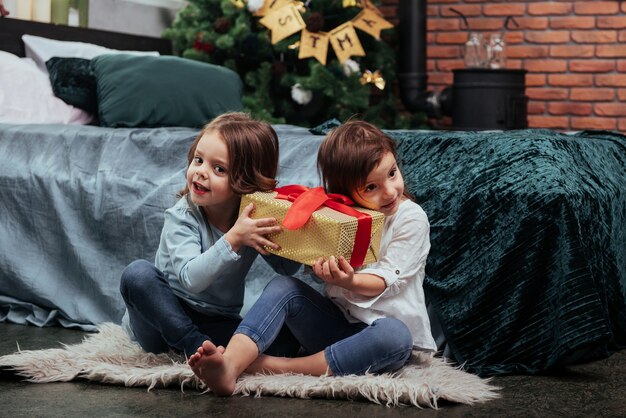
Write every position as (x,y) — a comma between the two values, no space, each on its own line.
(284,18)
(281,50)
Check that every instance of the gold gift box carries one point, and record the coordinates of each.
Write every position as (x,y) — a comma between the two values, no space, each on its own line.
(328,232)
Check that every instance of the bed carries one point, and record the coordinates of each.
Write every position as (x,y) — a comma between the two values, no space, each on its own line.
(527,270)
(11,31)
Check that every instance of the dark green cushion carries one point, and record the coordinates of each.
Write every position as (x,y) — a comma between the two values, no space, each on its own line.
(146,91)
(73,82)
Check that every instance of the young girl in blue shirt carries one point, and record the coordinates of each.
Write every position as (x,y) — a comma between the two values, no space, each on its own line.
(369,320)
(194,291)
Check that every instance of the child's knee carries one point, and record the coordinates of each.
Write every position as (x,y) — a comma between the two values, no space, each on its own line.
(136,275)
(283,285)
(395,333)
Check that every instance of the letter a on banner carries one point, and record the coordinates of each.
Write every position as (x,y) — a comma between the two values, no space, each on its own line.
(345,42)
(370,22)
(314,44)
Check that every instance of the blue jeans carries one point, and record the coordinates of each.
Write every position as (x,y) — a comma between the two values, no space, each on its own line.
(162,321)
(318,324)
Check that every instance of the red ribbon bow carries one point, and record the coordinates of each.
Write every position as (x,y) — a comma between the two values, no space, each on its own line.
(307,200)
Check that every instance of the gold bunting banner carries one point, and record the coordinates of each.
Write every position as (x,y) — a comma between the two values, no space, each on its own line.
(314,45)
(345,42)
(283,18)
(370,22)
(283,22)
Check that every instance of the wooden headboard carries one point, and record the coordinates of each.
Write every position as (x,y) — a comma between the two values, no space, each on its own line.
(11,31)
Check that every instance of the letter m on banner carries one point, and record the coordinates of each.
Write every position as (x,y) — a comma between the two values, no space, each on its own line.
(345,42)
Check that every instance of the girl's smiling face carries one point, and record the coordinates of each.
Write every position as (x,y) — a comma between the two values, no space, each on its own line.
(384,188)
(208,175)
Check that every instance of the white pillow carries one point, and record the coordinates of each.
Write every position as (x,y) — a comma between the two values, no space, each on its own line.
(42,49)
(26,95)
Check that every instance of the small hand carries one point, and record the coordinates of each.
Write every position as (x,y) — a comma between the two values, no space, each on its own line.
(253,232)
(332,272)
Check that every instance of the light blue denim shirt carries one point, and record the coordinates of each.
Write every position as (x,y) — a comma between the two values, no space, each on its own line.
(200,264)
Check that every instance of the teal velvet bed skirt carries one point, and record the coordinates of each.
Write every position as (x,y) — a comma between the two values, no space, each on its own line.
(527,270)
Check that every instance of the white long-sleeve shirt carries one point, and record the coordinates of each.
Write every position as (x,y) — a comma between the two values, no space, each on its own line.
(403,251)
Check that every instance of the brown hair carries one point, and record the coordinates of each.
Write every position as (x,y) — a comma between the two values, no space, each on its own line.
(252,152)
(349,153)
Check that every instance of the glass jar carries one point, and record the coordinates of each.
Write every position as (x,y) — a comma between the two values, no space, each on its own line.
(475,54)
(496,52)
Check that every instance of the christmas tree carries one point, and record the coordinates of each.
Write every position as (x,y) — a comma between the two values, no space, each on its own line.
(280,87)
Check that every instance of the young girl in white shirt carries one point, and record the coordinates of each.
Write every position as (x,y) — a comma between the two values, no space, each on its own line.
(194,290)
(370,319)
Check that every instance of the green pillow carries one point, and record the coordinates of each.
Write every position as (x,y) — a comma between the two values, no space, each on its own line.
(148,91)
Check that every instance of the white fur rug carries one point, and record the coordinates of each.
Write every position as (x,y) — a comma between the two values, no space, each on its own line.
(110,357)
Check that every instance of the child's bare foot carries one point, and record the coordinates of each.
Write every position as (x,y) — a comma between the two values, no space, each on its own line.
(200,351)
(209,365)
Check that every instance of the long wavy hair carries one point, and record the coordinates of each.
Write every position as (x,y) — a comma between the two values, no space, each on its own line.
(252,152)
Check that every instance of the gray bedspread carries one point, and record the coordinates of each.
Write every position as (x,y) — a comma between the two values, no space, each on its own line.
(78,203)
(527,269)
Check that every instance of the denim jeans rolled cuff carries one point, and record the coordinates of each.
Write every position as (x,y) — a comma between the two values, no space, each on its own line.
(255,337)
(385,346)
(283,345)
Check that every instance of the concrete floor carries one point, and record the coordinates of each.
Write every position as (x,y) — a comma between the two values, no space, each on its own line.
(596,389)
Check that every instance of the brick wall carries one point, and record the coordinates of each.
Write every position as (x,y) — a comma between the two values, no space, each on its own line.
(574,52)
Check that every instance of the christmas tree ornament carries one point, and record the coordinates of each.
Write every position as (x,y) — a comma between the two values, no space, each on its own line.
(314,22)
(221,25)
(278,69)
(349,3)
(255,5)
(374,78)
(200,44)
(301,95)
(350,67)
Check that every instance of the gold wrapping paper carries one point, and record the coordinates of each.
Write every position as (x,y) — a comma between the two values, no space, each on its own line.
(326,233)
